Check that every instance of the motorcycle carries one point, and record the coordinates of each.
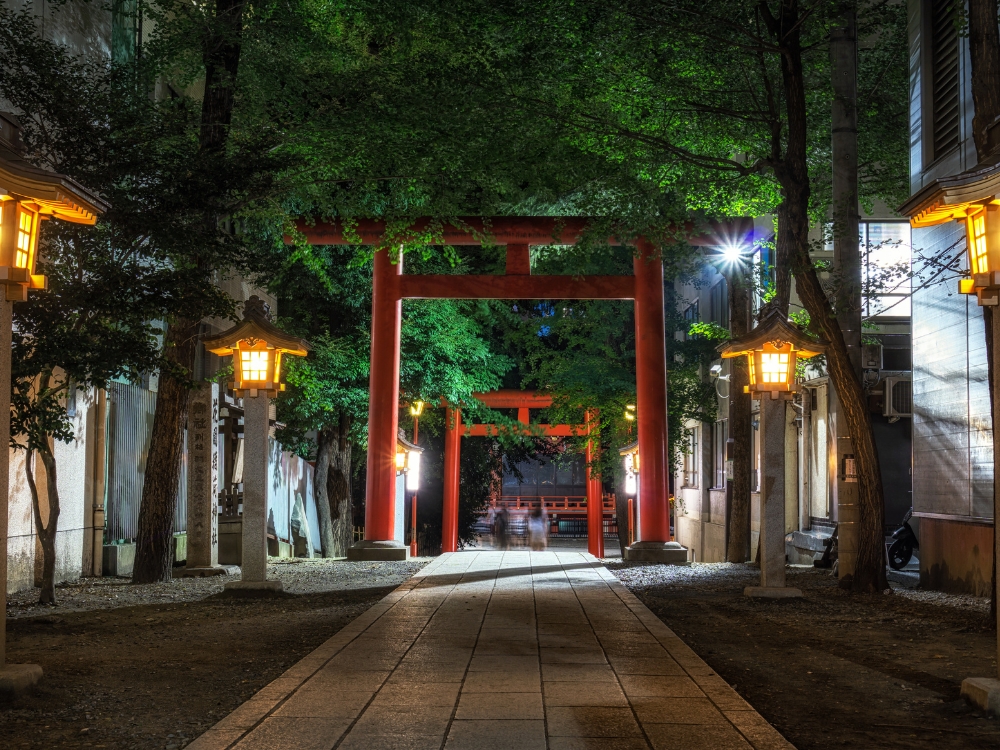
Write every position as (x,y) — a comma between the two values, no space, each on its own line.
(904,541)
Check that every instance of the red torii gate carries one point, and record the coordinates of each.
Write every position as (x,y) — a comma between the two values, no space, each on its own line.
(391,286)
(522,401)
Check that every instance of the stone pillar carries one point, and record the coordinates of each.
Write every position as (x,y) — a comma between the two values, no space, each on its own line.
(14,678)
(203,482)
(772,510)
(255,482)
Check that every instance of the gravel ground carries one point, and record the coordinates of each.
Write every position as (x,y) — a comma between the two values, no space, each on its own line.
(833,669)
(298,576)
(154,666)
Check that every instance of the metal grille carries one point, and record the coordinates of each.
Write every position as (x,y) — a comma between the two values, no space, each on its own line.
(944,77)
(902,397)
(130,425)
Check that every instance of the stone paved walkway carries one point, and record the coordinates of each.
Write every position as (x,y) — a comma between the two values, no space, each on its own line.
(499,650)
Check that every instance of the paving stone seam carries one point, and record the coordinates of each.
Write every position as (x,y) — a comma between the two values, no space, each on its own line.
(614,671)
(346,733)
(465,674)
(644,613)
(538,639)
(379,609)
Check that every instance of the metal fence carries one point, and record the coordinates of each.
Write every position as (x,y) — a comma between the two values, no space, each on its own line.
(130,425)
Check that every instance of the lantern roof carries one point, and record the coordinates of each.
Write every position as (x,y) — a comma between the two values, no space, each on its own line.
(256,324)
(952,197)
(55,194)
(775,328)
(630,448)
(407,445)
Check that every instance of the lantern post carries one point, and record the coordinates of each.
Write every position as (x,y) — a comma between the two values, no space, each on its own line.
(28,196)
(772,349)
(256,346)
(630,460)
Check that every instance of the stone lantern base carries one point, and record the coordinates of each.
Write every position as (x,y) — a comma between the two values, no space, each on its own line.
(16,679)
(377,551)
(669,553)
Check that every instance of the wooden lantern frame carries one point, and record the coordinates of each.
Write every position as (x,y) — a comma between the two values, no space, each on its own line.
(772,350)
(256,335)
(28,196)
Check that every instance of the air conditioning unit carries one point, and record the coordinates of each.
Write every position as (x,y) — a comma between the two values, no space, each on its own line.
(871,357)
(898,396)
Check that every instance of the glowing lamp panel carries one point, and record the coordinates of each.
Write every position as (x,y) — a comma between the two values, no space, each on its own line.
(979,259)
(26,221)
(773,368)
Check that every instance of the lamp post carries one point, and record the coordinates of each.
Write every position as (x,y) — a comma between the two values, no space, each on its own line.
(28,196)
(772,349)
(630,458)
(416,409)
(256,346)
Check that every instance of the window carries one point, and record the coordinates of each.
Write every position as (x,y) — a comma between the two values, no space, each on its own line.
(885,258)
(944,77)
(690,316)
(691,459)
(718,298)
(720,433)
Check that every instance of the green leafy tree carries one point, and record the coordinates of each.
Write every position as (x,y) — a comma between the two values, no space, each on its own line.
(91,325)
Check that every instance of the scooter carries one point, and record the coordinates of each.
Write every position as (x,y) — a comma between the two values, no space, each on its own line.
(904,541)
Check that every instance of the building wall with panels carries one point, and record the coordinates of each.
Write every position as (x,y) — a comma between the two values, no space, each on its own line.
(952,429)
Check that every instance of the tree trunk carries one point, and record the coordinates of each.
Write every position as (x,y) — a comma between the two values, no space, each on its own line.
(338,489)
(984,52)
(844,143)
(46,532)
(869,571)
(221,49)
(793,175)
(163,464)
(740,425)
(325,444)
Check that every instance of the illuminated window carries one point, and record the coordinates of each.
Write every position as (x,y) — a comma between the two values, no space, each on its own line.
(773,368)
(979,256)
(24,225)
(254,366)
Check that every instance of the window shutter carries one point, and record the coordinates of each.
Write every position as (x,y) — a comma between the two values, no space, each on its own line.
(944,77)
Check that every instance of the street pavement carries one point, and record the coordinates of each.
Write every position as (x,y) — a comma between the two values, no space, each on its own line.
(490,649)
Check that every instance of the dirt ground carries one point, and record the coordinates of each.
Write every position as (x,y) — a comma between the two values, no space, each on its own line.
(834,669)
(154,666)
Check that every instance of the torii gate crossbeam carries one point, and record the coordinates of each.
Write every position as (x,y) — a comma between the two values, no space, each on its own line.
(390,287)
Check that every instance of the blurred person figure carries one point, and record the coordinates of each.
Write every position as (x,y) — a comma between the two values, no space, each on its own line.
(501,528)
(537,530)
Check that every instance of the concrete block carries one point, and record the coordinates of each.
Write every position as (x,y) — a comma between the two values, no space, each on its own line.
(389,550)
(230,541)
(772,592)
(218,570)
(983,692)
(179,548)
(17,679)
(118,559)
(668,553)
(254,589)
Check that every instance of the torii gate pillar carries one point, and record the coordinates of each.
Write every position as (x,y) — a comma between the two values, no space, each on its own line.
(654,543)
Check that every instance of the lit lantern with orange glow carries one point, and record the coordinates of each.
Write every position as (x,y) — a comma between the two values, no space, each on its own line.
(630,458)
(257,346)
(772,350)
(408,462)
(29,195)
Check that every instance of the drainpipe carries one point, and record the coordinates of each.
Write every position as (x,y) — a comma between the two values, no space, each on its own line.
(100,479)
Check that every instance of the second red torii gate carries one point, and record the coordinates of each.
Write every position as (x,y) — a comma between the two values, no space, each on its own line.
(522,401)
(391,286)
